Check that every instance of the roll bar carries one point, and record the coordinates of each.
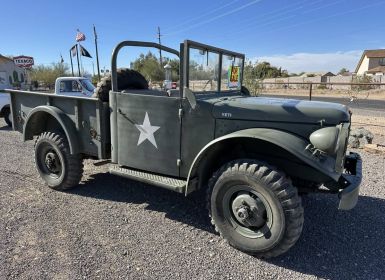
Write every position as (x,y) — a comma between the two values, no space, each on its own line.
(115,52)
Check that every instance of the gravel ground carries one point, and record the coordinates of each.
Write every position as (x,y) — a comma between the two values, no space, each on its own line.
(372,120)
(112,228)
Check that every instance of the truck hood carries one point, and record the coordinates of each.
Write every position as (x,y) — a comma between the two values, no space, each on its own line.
(280,110)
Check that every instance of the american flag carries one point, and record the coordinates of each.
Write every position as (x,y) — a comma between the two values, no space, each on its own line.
(80,36)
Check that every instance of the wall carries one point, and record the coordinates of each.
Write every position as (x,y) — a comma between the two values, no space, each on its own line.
(291,80)
(6,68)
(340,79)
(330,79)
(364,66)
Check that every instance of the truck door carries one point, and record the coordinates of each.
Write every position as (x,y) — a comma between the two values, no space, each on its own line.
(149,130)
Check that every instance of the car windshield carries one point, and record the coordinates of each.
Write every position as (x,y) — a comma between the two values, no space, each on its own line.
(214,70)
(87,85)
(203,70)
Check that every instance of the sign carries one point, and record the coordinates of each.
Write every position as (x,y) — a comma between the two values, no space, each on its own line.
(23,61)
(234,75)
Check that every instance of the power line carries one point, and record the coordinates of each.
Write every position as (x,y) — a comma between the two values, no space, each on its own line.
(323,7)
(278,18)
(201,16)
(214,18)
(327,17)
(277,13)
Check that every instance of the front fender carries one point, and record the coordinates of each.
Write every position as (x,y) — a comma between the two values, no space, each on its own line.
(65,122)
(287,141)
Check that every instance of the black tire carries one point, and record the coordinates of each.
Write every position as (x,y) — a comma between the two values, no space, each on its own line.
(255,208)
(7,116)
(127,79)
(54,162)
(245,91)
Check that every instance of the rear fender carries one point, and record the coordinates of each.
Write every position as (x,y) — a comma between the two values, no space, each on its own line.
(37,116)
(291,143)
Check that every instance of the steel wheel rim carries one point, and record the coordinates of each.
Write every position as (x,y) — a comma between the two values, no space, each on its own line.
(239,192)
(50,162)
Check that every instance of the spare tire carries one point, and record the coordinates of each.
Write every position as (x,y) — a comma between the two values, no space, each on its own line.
(127,79)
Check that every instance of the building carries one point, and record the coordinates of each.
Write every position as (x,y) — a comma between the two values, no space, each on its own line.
(323,76)
(11,76)
(372,62)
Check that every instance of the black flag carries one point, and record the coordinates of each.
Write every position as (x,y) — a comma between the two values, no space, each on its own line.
(84,52)
(73,50)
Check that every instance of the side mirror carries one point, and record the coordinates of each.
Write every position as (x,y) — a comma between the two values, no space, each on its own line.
(190,97)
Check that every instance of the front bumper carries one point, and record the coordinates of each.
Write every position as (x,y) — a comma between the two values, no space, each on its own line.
(350,181)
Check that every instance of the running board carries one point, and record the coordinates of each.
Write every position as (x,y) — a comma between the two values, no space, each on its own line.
(157,180)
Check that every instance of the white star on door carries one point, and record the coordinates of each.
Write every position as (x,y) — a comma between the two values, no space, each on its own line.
(147,131)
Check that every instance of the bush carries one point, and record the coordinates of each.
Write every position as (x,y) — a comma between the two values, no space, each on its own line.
(321,86)
(48,74)
(362,79)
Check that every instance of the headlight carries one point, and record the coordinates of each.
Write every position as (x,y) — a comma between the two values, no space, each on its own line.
(325,139)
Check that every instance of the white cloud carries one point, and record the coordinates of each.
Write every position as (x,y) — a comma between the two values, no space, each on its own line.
(312,62)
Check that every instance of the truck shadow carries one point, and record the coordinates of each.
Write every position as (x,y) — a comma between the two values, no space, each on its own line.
(6,128)
(189,210)
(334,244)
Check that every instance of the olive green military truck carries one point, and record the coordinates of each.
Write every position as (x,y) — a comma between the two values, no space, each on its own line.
(250,156)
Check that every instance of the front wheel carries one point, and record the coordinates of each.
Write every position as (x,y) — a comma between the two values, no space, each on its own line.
(255,208)
(56,165)
(8,117)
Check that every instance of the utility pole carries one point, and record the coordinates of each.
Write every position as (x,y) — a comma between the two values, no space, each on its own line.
(97,54)
(160,51)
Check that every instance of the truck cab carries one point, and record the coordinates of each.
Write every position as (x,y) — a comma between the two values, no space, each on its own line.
(74,86)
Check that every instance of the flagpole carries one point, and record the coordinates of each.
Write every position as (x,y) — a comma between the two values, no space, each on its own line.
(72,65)
(81,62)
(97,54)
(77,56)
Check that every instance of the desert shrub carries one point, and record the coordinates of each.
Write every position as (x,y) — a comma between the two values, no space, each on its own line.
(362,80)
(321,86)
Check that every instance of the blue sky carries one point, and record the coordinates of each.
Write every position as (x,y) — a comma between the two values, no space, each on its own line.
(297,35)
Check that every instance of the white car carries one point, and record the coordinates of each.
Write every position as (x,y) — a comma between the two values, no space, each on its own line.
(5,111)
(74,86)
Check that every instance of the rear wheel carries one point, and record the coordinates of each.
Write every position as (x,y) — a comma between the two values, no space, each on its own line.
(8,117)
(54,162)
(255,208)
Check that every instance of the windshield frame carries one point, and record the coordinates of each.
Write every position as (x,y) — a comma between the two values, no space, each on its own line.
(85,85)
(221,52)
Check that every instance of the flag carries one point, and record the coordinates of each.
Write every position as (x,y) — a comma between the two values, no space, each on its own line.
(73,50)
(84,52)
(80,36)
